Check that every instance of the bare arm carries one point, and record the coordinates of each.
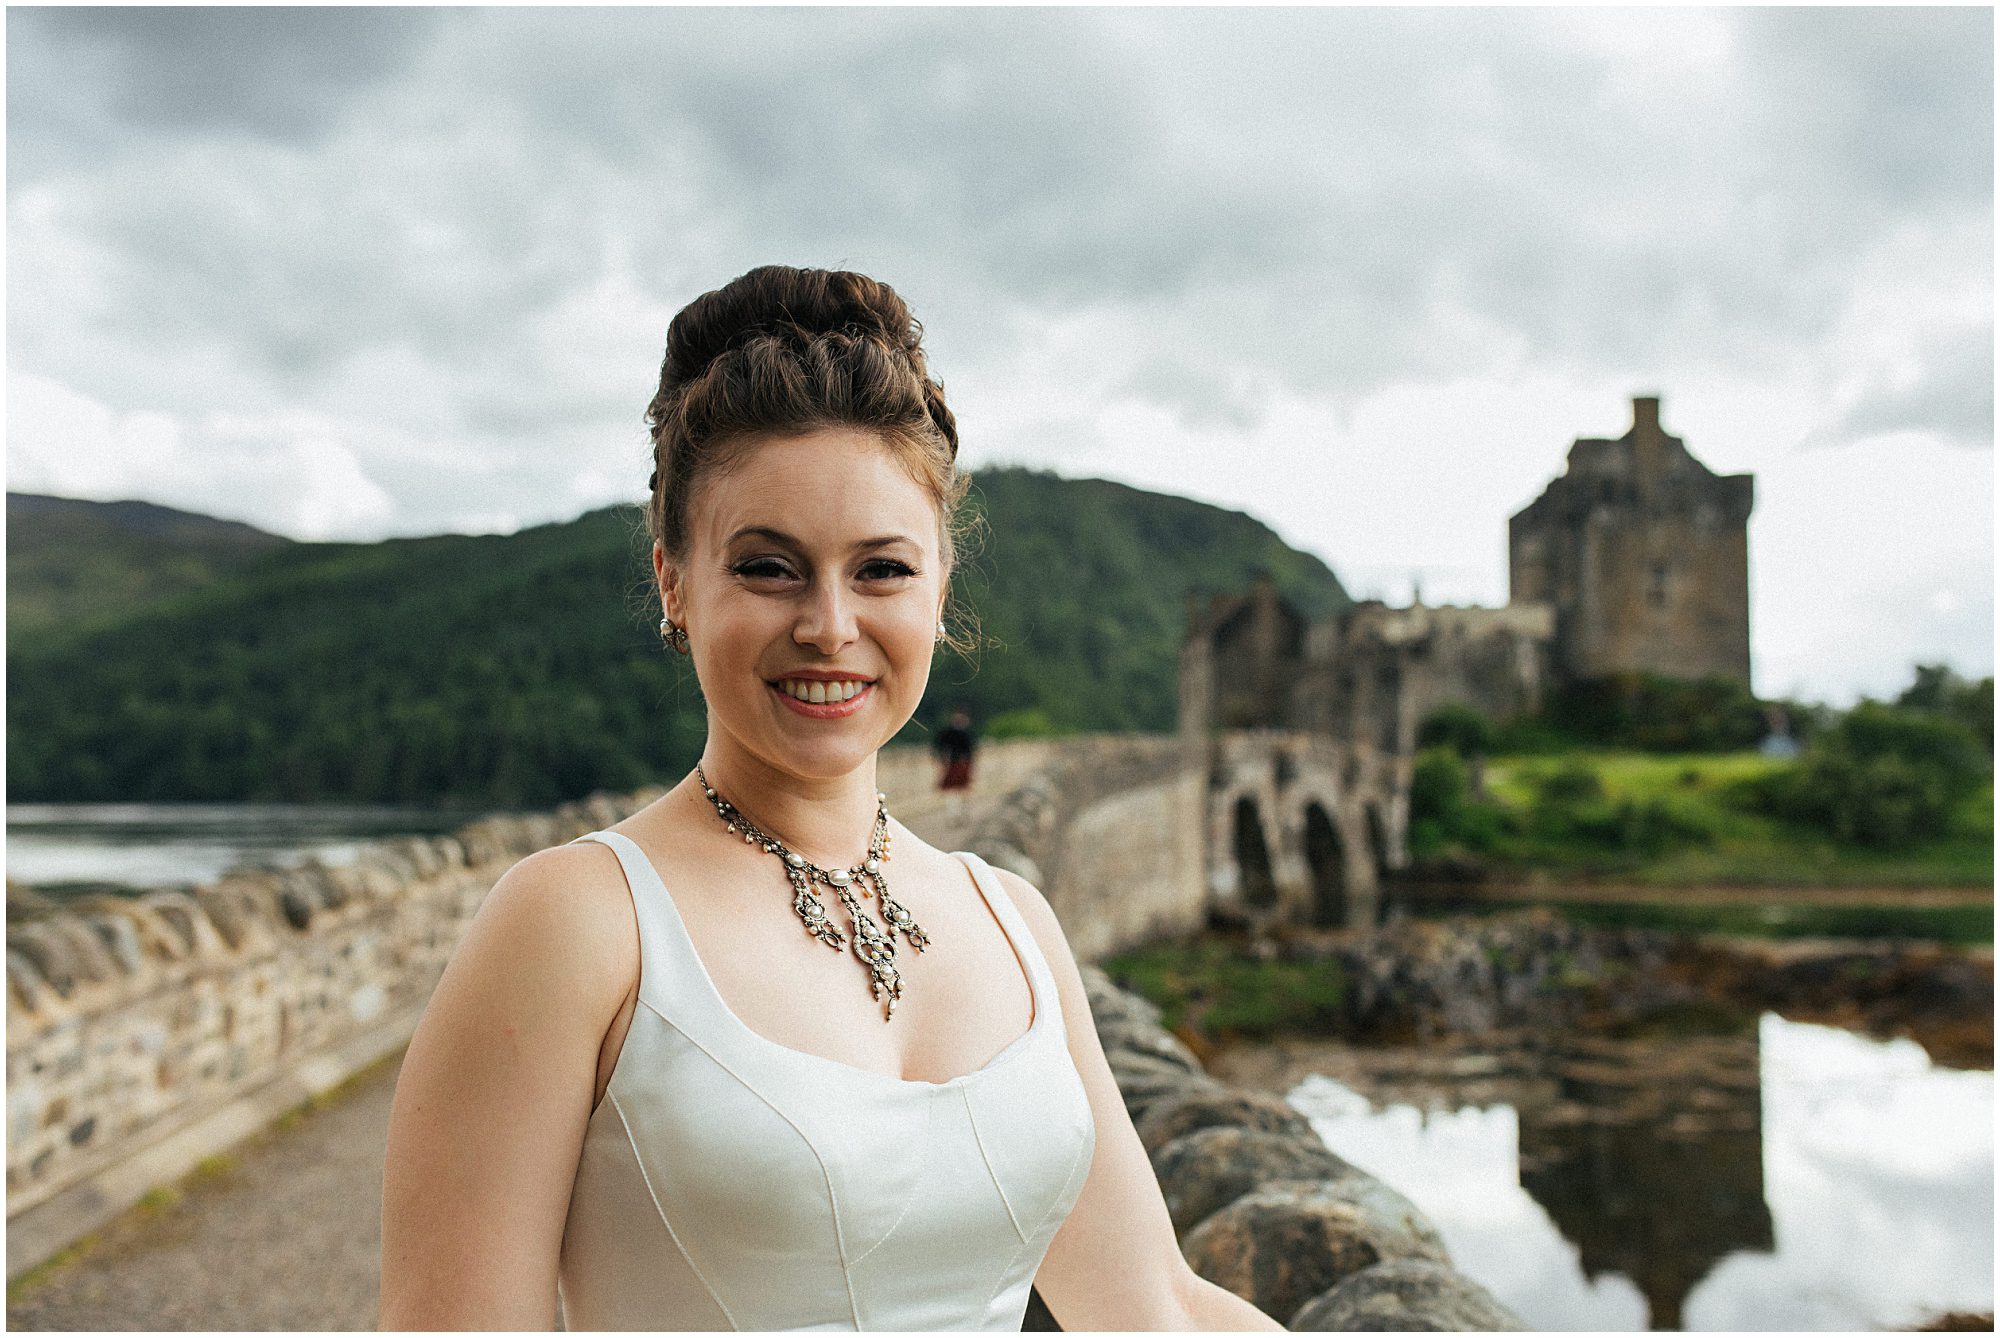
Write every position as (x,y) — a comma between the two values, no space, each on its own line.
(494,1095)
(1114,1264)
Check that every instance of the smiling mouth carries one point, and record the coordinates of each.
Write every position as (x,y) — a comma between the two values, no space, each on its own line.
(820,692)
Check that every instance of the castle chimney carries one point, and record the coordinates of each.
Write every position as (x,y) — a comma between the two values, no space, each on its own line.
(1648,446)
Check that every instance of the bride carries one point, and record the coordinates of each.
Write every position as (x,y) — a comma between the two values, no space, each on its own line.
(756,1057)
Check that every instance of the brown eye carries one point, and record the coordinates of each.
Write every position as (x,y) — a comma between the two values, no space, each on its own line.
(760,568)
(889,567)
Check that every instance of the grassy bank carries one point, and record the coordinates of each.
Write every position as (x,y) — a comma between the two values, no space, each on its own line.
(1678,820)
(1210,987)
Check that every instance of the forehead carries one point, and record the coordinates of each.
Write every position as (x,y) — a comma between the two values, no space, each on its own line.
(828,489)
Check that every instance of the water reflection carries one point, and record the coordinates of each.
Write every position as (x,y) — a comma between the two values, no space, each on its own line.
(148,845)
(1804,1179)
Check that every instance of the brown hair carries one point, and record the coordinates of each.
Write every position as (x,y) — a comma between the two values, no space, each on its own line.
(779,351)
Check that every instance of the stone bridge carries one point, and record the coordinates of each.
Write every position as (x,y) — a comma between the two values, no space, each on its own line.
(147,1032)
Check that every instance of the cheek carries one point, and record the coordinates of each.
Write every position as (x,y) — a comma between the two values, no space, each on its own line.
(916,620)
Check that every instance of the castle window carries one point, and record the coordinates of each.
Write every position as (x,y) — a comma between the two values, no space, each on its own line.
(1656,587)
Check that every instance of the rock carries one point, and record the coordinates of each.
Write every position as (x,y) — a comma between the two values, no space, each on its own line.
(1140,1039)
(1108,1001)
(182,914)
(1144,1081)
(120,939)
(1167,1120)
(49,953)
(1405,1296)
(1006,855)
(298,907)
(1292,1241)
(24,981)
(24,903)
(1207,1170)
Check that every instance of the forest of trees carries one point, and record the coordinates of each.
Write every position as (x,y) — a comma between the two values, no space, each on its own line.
(522,670)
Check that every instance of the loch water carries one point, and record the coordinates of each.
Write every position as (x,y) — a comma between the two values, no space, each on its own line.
(77,847)
(1804,1178)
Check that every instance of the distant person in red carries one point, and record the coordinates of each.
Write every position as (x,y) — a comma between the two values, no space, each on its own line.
(954,748)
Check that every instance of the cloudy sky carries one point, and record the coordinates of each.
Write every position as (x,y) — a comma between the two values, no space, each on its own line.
(1365,274)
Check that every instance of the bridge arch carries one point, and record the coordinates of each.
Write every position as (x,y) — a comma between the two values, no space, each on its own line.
(1250,843)
(1326,865)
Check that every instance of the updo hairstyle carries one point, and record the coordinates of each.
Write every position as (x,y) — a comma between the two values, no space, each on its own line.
(784,351)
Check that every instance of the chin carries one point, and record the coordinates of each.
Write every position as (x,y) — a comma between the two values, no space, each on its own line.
(827,758)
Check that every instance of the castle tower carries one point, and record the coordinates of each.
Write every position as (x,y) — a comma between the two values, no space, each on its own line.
(1643,552)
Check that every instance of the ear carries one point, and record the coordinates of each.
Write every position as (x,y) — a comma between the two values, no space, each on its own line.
(668,578)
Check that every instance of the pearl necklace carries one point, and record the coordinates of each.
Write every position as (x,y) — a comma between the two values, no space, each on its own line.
(875,946)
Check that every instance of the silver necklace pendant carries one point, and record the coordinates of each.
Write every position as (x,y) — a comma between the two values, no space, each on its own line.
(872,944)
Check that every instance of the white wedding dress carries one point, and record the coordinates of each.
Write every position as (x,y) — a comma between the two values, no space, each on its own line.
(730,1182)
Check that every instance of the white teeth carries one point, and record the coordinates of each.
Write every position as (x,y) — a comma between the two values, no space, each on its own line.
(818,691)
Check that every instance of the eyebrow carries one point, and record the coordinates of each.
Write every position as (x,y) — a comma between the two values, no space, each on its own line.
(779,536)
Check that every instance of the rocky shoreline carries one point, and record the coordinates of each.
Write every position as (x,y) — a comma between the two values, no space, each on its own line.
(1424,980)
(1262,1207)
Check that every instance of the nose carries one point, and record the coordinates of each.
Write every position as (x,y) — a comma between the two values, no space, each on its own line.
(827,623)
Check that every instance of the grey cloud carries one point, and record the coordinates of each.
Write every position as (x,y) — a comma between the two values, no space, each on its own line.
(1952,398)
(1334,198)
(278,73)
(1199,392)
(1891,105)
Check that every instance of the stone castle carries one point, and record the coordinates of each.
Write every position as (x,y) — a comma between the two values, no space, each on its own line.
(1635,559)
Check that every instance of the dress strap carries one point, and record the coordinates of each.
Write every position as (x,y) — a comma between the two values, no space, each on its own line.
(670,970)
(1016,928)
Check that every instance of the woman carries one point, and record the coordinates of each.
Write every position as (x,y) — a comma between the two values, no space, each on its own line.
(639,1084)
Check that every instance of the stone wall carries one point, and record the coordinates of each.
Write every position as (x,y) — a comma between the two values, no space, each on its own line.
(909,773)
(131,1021)
(1112,832)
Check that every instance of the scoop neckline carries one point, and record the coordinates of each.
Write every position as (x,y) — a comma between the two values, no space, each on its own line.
(1004,1054)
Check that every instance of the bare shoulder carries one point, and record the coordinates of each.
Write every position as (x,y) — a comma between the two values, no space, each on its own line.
(1034,907)
(562,913)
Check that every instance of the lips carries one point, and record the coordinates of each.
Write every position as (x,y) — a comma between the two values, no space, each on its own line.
(831,709)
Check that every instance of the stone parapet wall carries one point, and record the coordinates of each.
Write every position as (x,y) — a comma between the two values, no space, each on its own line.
(129,1019)
(909,773)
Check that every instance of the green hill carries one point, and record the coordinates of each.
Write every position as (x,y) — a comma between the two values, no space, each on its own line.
(74,565)
(524,669)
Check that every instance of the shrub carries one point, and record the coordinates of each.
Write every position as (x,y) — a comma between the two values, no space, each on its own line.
(1885,777)
(1029,722)
(1571,784)
(1530,736)
(1647,827)
(1938,689)
(1442,811)
(1438,785)
(1658,713)
(1458,727)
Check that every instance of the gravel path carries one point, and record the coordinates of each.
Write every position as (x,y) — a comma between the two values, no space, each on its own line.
(288,1235)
